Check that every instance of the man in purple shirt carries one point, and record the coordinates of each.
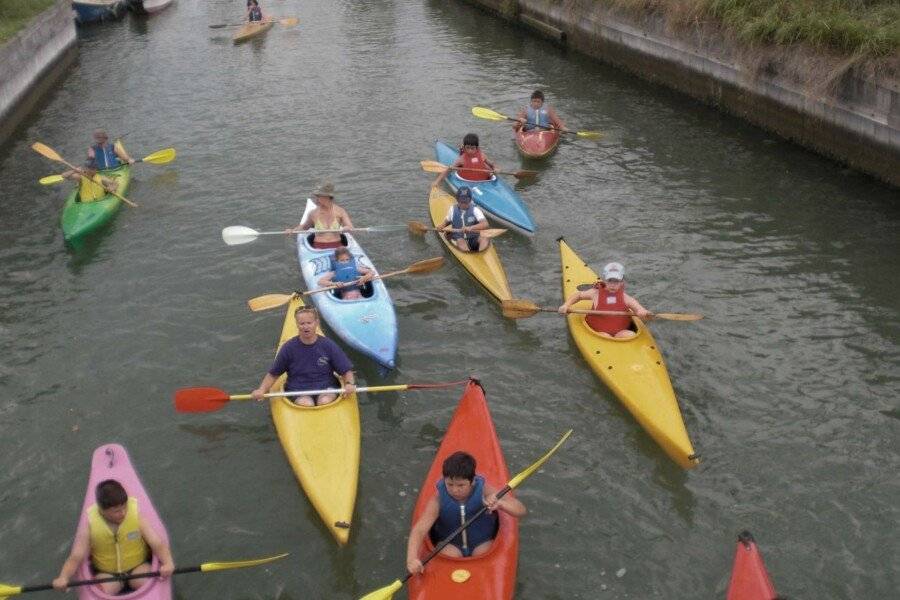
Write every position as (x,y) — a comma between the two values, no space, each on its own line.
(310,361)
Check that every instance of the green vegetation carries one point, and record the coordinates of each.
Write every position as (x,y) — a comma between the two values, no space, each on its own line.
(865,28)
(15,14)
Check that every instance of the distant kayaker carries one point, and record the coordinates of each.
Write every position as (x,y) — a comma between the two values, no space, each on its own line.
(91,185)
(609,294)
(538,114)
(310,361)
(104,155)
(346,271)
(326,216)
(254,12)
(118,541)
(470,219)
(460,494)
(472,163)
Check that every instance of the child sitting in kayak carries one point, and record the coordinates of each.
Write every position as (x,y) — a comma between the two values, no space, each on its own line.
(118,541)
(470,219)
(346,271)
(91,185)
(609,294)
(254,12)
(460,494)
(472,164)
(538,114)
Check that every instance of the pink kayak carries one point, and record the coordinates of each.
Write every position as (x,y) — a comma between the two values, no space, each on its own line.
(111,462)
(749,578)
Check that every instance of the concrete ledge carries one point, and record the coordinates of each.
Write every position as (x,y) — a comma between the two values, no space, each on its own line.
(29,57)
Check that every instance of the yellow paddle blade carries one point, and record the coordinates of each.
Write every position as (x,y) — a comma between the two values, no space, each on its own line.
(519,309)
(515,481)
(160,157)
(385,593)
(51,179)
(486,113)
(45,150)
(591,135)
(289,22)
(677,316)
(240,564)
(432,166)
(268,301)
(426,266)
(9,590)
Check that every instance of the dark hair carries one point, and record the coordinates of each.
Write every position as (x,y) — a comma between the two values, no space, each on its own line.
(343,250)
(110,493)
(470,140)
(459,464)
(537,94)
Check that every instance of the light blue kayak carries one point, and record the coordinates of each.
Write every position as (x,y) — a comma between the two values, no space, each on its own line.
(368,325)
(494,196)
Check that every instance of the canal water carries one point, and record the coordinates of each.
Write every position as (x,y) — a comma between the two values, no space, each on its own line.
(788,387)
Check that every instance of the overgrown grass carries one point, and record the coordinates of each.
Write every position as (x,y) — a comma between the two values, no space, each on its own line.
(15,14)
(868,28)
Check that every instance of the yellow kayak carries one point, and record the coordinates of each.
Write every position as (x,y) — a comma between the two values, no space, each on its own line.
(632,368)
(322,445)
(484,266)
(251,30)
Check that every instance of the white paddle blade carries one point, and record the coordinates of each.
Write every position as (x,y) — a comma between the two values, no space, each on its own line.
(238,234)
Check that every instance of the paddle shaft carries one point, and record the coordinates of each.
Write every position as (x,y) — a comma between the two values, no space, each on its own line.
(376,388)
(123,577)
(350,283)
(513,173)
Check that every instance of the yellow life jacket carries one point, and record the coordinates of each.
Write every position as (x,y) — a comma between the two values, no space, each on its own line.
(91,190)
(121,551)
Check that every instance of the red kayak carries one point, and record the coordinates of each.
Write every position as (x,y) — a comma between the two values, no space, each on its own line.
(492,575)
(537,143)
(749,579)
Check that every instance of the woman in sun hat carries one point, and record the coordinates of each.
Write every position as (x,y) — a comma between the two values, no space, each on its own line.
(327,217)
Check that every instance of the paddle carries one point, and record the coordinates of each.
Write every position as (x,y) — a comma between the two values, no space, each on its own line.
(50,153)
(433,166)
(522,309)
(11,590)
(387,592)
(268,301)
(238,234)
(286,21)
(160,157)
(490,115)
(209,399)
(418,227)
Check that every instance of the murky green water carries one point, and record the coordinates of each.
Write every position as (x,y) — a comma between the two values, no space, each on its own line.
(789,387)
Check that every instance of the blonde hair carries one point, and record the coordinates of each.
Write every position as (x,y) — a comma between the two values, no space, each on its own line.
(307,309)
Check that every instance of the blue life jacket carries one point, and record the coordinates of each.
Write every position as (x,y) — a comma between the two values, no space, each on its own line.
(344,272)
(458,222)
(452,514)
(256,14)
(536,117)
(105,156)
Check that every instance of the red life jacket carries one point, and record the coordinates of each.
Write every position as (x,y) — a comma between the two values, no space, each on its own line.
(606,300)
(471,161)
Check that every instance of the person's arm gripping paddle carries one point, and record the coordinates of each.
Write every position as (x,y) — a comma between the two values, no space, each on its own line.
(555,121)
(508,504)
(160,549)
(80,549)
(589,294)
(635,307)
(417,536)
(456,164)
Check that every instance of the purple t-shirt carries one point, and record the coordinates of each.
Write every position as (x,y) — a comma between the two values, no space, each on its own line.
(310,366)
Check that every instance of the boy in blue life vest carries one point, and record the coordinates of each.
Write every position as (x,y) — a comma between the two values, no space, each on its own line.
(537,113)
(103,155)
(118,541)
(348,273)
(469,220)
(460,494)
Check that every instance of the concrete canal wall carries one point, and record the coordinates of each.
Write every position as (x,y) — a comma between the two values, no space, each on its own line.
(841,111)
(32,61)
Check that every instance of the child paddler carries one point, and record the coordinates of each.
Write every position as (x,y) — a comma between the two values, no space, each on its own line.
(460,494)
(91,185)
(609,294)
(326,216)
(254,12)
(472,164)
(468,218)
(346,271)
(537,113)
(118,542)
(103,155)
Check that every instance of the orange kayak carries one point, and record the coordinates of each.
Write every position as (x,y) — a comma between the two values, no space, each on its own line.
(749,578)
(491,576)
(537,143)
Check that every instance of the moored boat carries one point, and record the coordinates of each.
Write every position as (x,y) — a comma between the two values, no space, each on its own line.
(749,578)
(369,324)
(537,143)
(322,446)
(111,461)
(484,266)
(149,7)
(494,195)
(251,30)
(92,11)
(632,368)
(491,576)
(79,219)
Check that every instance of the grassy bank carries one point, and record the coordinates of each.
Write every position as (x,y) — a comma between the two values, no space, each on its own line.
(864,28)
(15,14)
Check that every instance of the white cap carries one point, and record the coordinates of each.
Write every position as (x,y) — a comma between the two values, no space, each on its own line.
(613,270)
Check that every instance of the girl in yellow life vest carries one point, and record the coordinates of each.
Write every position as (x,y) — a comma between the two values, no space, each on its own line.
(117,540)
(91,185)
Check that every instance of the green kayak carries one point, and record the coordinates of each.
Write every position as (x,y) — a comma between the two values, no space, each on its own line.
(81,218)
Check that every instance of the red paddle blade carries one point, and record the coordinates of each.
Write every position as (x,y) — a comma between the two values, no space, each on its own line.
(200,399)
